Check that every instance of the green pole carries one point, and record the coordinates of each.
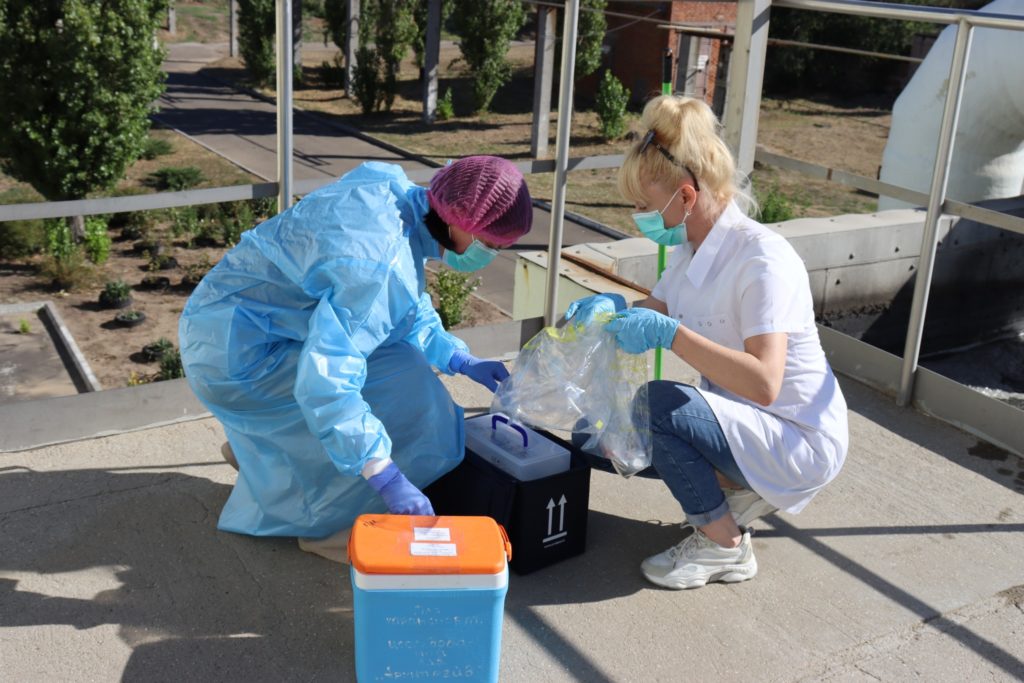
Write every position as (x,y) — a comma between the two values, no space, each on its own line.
(666,89)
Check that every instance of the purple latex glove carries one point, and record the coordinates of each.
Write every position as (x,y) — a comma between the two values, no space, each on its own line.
(485,372)
(641,329)
(401,497)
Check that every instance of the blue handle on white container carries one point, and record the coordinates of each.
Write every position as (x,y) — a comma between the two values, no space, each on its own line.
(501,418)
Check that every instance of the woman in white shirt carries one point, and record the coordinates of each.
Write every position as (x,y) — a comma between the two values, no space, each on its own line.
(766,429)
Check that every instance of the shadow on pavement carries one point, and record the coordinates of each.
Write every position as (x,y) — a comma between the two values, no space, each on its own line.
(140,550)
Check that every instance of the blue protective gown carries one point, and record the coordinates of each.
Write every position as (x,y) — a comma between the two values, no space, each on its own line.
(311,341)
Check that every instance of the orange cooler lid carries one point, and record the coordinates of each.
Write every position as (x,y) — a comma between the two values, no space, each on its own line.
(410,544)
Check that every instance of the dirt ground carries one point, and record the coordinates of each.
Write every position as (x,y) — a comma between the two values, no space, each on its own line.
(114,352)
(848,136)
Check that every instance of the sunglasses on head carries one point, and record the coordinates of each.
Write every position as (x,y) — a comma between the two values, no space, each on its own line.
(649,140)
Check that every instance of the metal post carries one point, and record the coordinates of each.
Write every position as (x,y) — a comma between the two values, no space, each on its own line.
(543,74)
(351,45)
(431,57)
(936,196)
(284,104)
(746,71)
(666,89)
(233,28)
(571,20)
(172,18)
(297,36)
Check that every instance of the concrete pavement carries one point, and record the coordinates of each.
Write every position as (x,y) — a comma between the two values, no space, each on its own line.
(910,566)
(242,128)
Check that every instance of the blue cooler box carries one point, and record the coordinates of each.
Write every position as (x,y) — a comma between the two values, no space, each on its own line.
(428,597)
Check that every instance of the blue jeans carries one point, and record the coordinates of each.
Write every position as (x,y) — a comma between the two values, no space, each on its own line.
(689,447)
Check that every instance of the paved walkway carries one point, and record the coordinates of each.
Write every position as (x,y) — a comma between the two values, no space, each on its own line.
(910,566)
(242,128)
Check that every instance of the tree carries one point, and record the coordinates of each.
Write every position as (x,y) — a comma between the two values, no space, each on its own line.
(790,69)
(395,33)
(590,36)
(387,28)
(79,79)
(257,30)
(420,14)
(486,27)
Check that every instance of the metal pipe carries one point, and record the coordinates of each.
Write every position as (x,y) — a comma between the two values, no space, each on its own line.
(571,20)
(746,72)
(936,196)
(884,10)
(232,28)
(284,104)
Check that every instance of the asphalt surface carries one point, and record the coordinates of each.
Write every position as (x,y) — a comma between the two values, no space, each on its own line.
(242,128)
(910,566)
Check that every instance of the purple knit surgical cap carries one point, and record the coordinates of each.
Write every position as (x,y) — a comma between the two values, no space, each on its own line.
(483,195)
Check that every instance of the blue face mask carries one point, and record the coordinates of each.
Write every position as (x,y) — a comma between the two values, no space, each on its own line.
(476,256)
(652,225)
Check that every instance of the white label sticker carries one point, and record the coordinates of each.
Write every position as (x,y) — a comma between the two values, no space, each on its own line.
(433,549)
(422,533)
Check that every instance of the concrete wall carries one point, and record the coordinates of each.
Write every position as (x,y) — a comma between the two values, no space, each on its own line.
(861,269)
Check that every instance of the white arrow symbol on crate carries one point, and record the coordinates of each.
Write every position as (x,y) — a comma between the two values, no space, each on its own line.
(561,513)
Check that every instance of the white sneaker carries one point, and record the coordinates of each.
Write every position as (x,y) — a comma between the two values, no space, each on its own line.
(746,505)
(698,560)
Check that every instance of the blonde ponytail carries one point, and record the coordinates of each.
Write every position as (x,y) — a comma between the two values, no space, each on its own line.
(690,132)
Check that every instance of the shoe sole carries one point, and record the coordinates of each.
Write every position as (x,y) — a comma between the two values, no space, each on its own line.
(728,574)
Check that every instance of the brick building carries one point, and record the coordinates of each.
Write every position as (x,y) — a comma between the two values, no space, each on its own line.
(634,49)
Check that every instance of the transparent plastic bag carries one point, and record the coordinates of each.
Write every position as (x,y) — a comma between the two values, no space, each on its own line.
(576,379)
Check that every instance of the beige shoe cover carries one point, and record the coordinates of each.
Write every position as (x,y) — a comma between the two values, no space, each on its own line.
(334,547)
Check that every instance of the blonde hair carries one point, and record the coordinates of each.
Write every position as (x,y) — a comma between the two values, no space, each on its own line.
(690,132)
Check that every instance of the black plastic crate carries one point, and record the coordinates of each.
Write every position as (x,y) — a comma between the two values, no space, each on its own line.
(546,519)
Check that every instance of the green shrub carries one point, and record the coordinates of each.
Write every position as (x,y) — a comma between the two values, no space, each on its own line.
(155,351)
(59,242)
(134,225)
(486,28)
(65,265)
(19,239)
(115,292)
(452,289)
(97,239)
(264,207)
(445,106)
(366,86)
(257,26)
(156,147)
(775,207)
(611,102)
(170,366)
(236,218)
(176,178)
(184,221)
(197,271)
(78,80)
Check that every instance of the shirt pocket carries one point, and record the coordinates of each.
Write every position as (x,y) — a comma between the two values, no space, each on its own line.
(719,328)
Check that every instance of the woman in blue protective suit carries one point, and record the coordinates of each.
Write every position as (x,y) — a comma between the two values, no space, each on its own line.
(312,343)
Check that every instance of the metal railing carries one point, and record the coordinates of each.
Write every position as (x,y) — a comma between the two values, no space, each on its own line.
(745,80)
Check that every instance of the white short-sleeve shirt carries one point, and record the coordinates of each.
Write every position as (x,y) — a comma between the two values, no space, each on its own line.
(743,281)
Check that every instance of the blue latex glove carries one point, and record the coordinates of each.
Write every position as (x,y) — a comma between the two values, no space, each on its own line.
(485,372)
(401,497)
(586,308)
(641,329)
